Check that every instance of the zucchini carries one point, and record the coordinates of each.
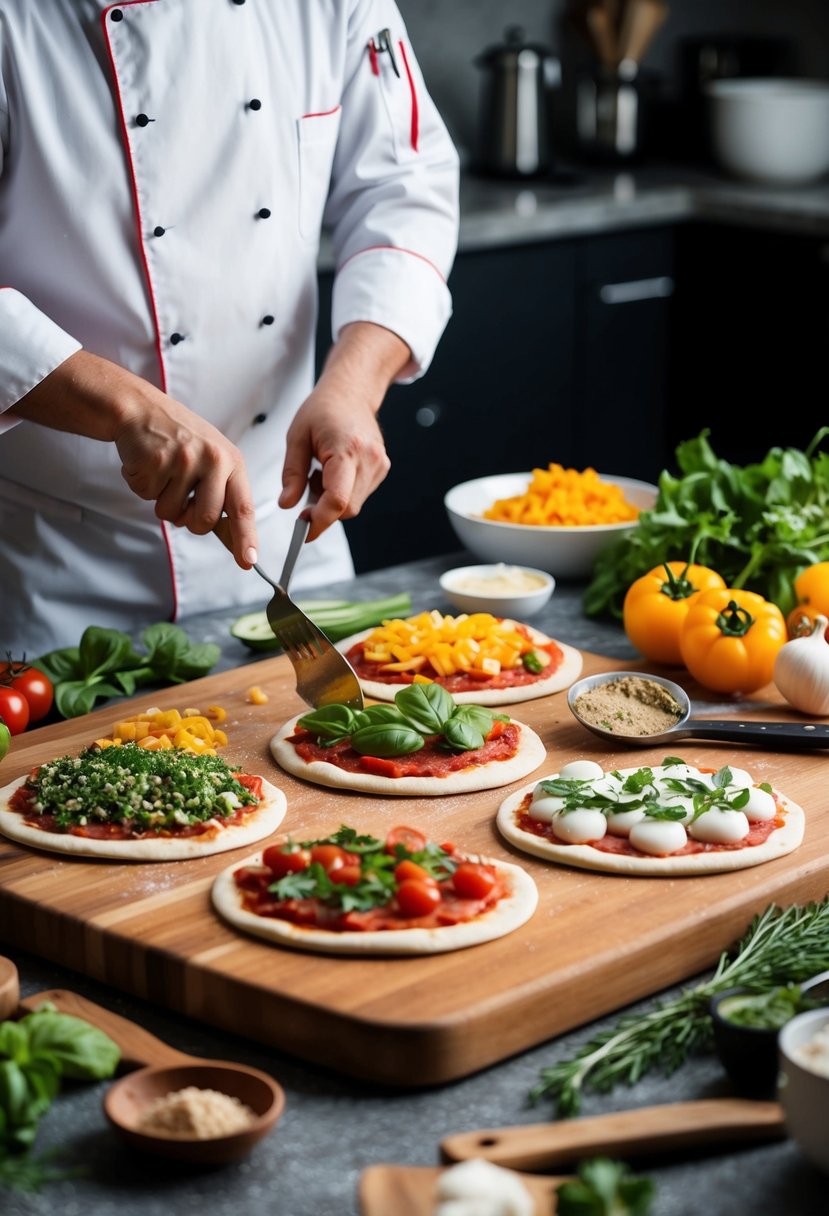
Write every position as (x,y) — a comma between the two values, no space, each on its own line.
(336,618)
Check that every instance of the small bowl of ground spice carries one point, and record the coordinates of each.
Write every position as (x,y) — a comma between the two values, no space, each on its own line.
(628,705)
(203,1113)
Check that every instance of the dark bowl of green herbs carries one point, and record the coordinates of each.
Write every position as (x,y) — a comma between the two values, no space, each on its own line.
(746,1023)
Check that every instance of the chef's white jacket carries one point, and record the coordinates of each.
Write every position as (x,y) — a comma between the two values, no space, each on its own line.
(166,167)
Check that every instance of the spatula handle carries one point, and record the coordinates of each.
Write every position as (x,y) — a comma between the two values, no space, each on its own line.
(623,1133)
(138,1046)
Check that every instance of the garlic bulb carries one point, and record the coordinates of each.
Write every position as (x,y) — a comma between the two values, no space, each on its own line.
(801,670)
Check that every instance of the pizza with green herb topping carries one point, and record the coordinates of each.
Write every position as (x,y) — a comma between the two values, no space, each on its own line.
(128,803)
(423,743)
(349,893)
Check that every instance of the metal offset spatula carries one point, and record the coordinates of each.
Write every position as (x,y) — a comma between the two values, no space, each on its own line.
(324,675)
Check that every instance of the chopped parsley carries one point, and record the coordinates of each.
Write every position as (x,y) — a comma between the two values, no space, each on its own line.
(145,791)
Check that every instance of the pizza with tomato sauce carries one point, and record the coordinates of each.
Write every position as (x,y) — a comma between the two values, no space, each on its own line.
(128,803)
(356,894)
(671,819)
(424,743)
(477,657)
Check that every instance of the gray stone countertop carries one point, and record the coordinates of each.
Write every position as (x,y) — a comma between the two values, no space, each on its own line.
(590,201)
(334,1127)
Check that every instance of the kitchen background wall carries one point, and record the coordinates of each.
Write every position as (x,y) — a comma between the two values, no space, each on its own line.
(448,34)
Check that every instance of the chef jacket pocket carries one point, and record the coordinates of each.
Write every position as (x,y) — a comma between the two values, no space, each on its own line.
(317,137)
(401,103)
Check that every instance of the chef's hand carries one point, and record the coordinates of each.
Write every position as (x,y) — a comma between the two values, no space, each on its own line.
(169,455)
(337,425)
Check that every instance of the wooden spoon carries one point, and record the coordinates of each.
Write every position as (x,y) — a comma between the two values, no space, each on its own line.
(161,1070)
(651,1129)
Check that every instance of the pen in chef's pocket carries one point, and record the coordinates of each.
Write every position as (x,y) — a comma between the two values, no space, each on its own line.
(379,45)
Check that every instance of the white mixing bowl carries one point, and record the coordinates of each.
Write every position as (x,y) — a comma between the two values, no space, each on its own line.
(773,131)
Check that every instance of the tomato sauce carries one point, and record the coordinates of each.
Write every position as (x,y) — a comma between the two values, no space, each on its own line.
(759,832)
(253,884)
(459,681)
(431,761)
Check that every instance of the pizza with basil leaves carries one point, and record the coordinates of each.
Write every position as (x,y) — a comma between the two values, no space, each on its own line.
(349,893)
(477,657)
(423,743)
(672,819)
(128,803)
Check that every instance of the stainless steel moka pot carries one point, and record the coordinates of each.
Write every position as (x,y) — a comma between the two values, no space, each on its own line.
(513,136)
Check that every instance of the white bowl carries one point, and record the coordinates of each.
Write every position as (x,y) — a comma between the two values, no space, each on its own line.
(772,131)
(802,1092)
(566,552)
(466,589)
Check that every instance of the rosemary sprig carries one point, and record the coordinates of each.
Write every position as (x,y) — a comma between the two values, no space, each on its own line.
(781,946)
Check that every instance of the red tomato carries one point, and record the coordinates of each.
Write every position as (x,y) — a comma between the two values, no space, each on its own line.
(14,709)
(411,840)
(330,856)
(472,880)
(407,869)
(349,875)
(32,684)
(282,863)
(417,898)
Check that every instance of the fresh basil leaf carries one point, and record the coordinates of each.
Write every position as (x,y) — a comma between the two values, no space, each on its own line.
(462,736)
(329,722)
(476,716)
(426,706)
(60,665)
(14,1042)
(387,739)
(381,713)
(81,1051)
(104,650)
(605,1188)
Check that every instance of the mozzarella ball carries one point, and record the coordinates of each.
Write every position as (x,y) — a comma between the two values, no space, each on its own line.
(619,823)
(581,826)
(720,827)
(678,802)
(544,806)
(658,837)
(683,772)
(760,805)
(740,779)
(581,770)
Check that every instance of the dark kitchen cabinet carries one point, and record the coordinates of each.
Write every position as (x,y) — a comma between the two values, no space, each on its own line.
(555,352)
(750,340)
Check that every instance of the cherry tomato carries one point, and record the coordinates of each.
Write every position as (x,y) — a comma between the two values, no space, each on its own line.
(407,869)
(471,880)
(32,684)
(349,875)
(281,862)
(411,840)
(14,709)
(418,898)
(330,856)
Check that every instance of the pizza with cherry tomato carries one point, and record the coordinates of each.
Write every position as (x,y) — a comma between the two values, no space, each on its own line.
(476,657)
(129,803)
(425,743)
(671,819)
(350,893)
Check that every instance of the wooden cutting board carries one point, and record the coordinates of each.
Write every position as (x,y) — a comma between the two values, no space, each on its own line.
(595,943)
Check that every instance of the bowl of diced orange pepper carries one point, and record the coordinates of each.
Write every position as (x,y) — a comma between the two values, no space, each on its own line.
(552,518)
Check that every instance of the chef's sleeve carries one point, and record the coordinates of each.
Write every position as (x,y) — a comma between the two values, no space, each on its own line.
(31,345)
(392,209)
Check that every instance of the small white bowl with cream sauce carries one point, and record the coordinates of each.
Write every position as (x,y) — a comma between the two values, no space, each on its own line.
(498,588)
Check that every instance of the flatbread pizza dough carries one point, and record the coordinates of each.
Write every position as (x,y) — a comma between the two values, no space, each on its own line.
(261,821)
(782,840)
(568,670)
(509,913)
(489,775)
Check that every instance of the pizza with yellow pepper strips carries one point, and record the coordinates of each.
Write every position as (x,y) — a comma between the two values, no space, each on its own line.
(479,658)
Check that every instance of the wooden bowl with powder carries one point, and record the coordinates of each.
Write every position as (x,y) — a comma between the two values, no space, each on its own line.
(202,1113)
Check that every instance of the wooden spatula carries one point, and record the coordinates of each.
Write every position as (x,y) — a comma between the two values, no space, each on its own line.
(651,1129)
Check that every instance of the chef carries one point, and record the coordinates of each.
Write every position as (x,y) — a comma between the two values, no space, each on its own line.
(166,170)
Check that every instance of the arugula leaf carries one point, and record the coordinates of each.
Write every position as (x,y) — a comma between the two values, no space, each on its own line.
(758,525)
